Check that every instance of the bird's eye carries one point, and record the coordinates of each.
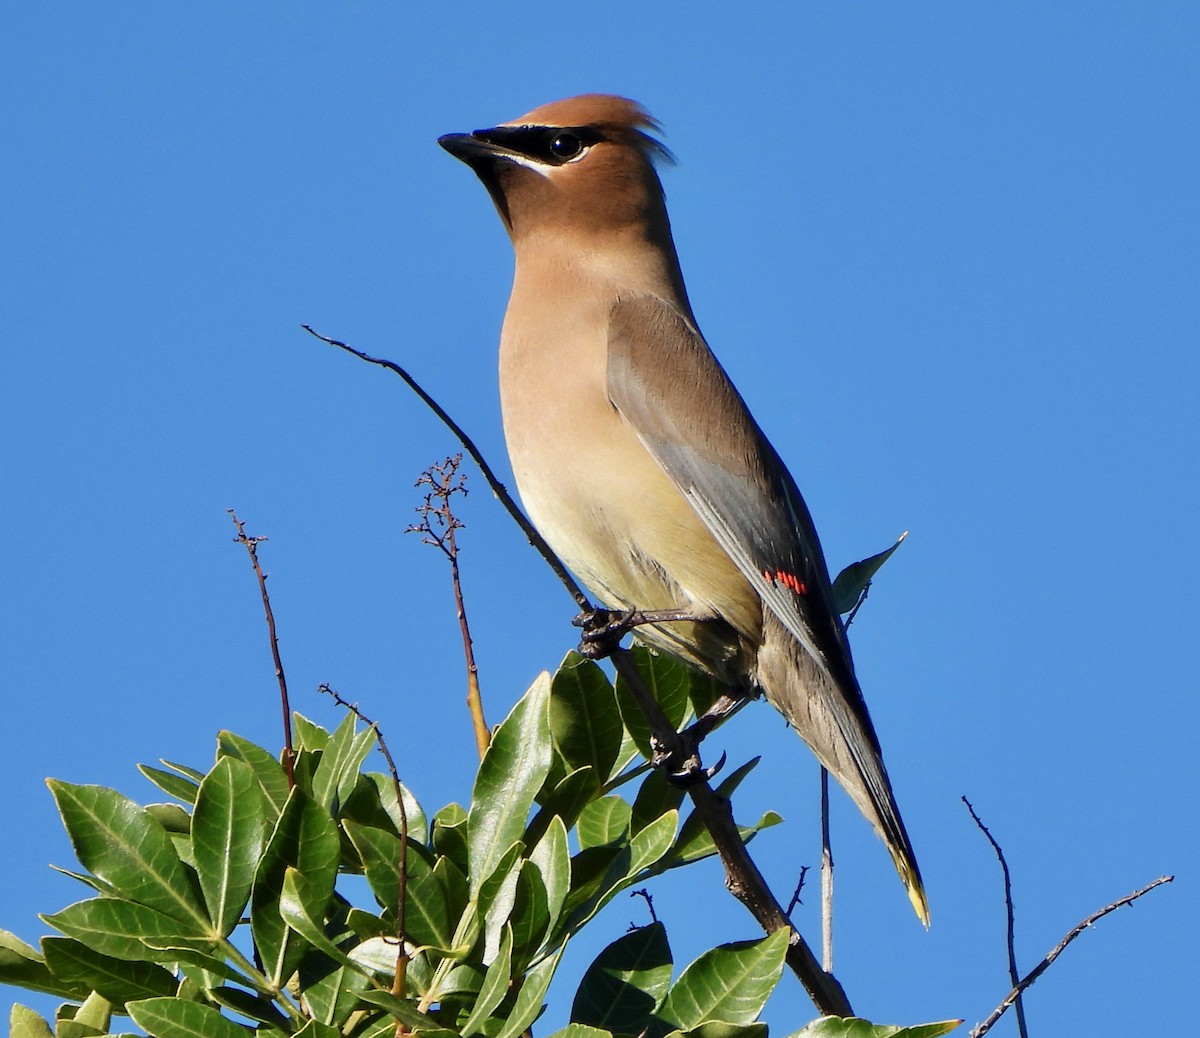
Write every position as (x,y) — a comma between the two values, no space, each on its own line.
(565,146)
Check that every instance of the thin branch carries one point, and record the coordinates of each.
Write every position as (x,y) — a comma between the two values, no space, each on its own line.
(826,878)
(742,876)
(498,488)
(798,891)
(645,895)
(251,545)
(437,527)
(399,979)
(1058,949)
(1014,974)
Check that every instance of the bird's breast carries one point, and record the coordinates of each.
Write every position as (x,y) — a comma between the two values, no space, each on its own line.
(595,492)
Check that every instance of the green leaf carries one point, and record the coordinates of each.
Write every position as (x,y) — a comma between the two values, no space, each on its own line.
(254,1007)
(25,1023)
(426,909)
(512,771)
(668,681)
(530,913)
(497,897)
(730,983)
(317,1029)
(450,835)
(404,1011)
(305,838)
(117,980)
(528,1005)
(175,1018)
(173,785)
(856,577)
(122,845)
(652,843)
(495,986)
(603,821)
(269,773)
(295,908)
(853,1027)
(566,800)
(552,857)
(721,1029)
(309,736)
(120,928)
(23,967)
(655,797)
(580,1031)
(374,803)
(584,720)
(229,833)
(624,986)
(337,774)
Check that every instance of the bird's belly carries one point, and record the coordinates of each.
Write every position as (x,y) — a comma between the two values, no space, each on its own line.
(617,520)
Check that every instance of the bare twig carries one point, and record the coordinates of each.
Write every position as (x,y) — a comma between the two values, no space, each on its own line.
(798,891)
(399,979)
(742,876)
(1058,949)
(1014,973)
(251,544)
(826,878)
(437,527)
(645,895)
(498,488)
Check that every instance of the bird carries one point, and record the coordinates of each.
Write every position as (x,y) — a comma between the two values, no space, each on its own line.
(636,458)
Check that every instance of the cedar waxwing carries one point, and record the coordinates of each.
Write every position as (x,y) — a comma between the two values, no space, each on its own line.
(634,455)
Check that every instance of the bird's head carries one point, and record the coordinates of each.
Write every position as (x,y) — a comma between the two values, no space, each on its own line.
(584,165)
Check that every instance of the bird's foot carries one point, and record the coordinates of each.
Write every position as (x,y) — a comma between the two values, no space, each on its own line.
(603,629)
(681,762)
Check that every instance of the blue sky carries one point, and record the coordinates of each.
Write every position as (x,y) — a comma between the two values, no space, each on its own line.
(947,251)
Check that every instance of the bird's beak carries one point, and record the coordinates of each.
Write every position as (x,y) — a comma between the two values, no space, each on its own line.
(471,148)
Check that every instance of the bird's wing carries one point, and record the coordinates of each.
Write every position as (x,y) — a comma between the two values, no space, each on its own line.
(665,381)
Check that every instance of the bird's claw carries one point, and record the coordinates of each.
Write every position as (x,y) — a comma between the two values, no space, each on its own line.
(681,763)
(603,630)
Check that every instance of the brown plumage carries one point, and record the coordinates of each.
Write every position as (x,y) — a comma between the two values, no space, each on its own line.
(634,454)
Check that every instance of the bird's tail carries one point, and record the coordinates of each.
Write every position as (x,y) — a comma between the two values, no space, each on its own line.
(835,724)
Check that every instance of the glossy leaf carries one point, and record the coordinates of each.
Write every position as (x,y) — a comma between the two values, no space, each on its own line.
(25,1023)
(23,966)
(450,835)
(496,899)
(495,986)
(268,772)
(122,845)
(655,797)
(373,802)
(652,843)
(404,1011)
(603,821)
(584,720)
(229,833)
(721,1029)
(855,578)
(625,984)
(305,838)
(730,983)
(343,757)
(117,980)
(580,1031)
(528,1005)
(295,908)
(175,1018)
(668,680)
(853,1027)
(509,778)
(170,783)
(120,928)
(530,912)
(552,857)
(570,795)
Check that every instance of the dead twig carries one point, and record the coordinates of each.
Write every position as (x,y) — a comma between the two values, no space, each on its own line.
(1014,974)
(437,527)
(1058,949)
(251,544)
(400,977)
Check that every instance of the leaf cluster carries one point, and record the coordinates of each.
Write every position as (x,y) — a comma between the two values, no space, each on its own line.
(231,910)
